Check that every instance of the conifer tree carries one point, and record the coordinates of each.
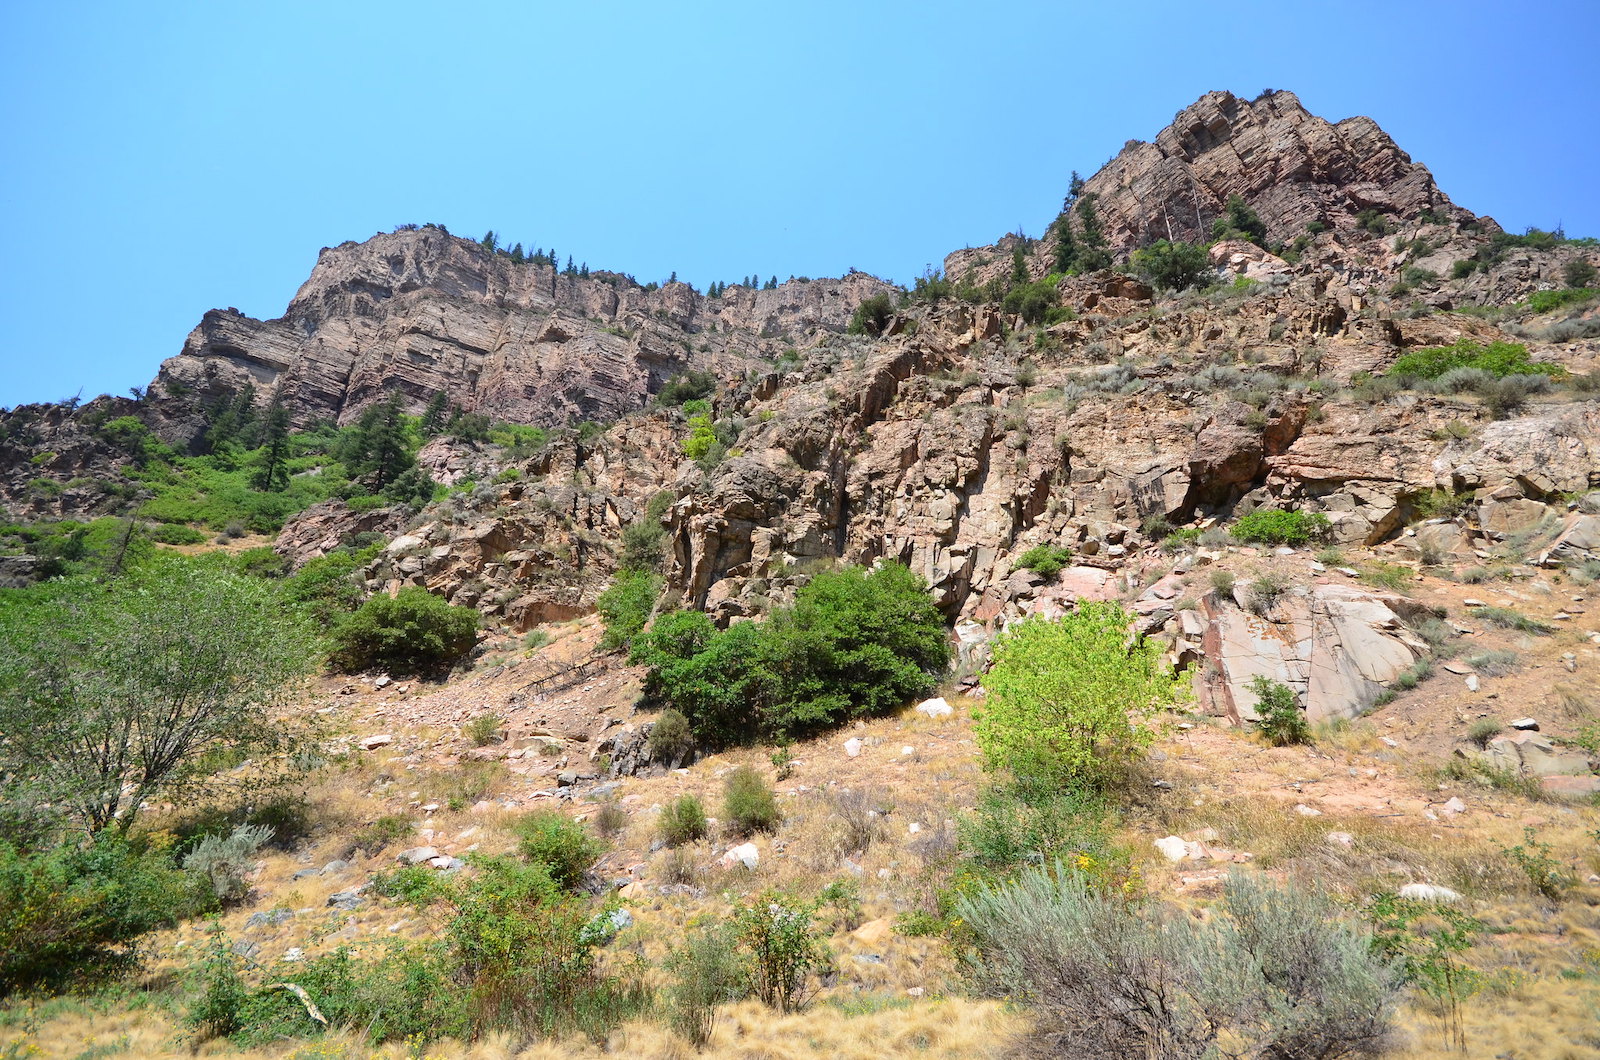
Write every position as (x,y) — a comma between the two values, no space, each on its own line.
(433,419)
(1092,253)
(272,474)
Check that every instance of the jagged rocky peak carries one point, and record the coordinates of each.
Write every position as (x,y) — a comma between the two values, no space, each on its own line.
(424,312)
(1291,166)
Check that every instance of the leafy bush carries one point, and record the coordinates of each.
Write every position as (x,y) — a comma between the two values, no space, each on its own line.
(1547,301)
(1240,222)
(872,315)
(1047,561)
(380,833)
(625,607)
(412,632)
(558,843)
(1278,716)
(484,729)
(749,802)
(70,915)
(1498,359)
(1276,973)
(708,971)
(176,534)
(670,739)
(687,386)
(784,948)
(854,643)
(226,860)
(1275,526)
(683,820)
(1064,698)
(1032,301)
(1172,266)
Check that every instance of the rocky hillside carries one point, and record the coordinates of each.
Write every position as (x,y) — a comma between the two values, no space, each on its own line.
(424,312)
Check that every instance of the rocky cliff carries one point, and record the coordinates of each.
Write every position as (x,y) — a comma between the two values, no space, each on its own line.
(424,312)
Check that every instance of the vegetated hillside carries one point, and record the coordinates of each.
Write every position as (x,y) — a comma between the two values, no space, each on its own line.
(1322,441)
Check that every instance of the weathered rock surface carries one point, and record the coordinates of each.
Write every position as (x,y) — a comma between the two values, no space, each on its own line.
(425,313)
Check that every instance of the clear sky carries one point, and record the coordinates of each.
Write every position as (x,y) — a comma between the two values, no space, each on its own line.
(160,159)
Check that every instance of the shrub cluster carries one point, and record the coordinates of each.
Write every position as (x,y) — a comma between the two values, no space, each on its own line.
(1046,560)
(1499,359)
(412,632)
(1276,526)
(855,643)
(1277,972)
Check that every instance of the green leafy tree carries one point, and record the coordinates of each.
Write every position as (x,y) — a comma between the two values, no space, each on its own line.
(1065,697)
(1172,266)
(625,607)
(114,695)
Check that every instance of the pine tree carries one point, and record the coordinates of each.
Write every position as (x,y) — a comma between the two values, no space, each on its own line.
(490,241)
(674,277)
(376,453)
(583,270)
(571,270)
(1019,267)
(516,253)
(433,419)
(272,474)
(772,284)
(1092,253)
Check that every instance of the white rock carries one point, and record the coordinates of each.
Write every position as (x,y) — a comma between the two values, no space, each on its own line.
(908,750)
(1455,805)
(1340,839)
(1428,892)
(382,682)
(1307,811)
(1472,682)
(936,708)
(913,828)
(372,743)
(744,854)
(1473,602)
(1526,725)
(1389,741)
(852,747)
(1173,848)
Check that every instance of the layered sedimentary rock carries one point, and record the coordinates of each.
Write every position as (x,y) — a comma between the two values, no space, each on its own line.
(426,313)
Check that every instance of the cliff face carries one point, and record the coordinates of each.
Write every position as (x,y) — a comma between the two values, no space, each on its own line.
(424,313)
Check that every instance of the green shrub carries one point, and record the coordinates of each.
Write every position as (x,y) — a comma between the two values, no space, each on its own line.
(1498,359)
(687,386)
(1483,730)
(749,802)
(1545,873)
(1265,592)
(1173,266)
(702,437)
(1032,301)
(1510,618)
(1065,697)
(1278,716)
(683,820)
(871,316)
(708,971)
(1047,561)
(625,607)
(670,740)
(70,916)
(176,534)
(1222,582)
(854,643)
(412,632)
(561,845)
(784,947)
(484,729)
(1276,972)
(1276,526)
(1547,301)
(226,860)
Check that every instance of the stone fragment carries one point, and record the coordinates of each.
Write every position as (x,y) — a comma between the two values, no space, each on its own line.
(935,708)
(1428,892)
(372,743)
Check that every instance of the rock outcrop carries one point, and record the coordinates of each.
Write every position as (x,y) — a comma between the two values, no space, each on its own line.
(424,312)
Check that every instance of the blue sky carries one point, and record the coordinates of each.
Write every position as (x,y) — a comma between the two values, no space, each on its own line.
(165,158)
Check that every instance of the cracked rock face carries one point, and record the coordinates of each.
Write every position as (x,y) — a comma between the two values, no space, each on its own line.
(427,313)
